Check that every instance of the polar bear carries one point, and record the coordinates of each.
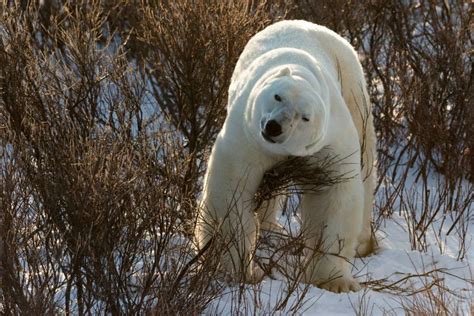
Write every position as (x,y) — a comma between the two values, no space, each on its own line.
(298,89)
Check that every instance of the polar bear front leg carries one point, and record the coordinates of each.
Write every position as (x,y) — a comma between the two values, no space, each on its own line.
(226,212)
(332,221)
(235,234)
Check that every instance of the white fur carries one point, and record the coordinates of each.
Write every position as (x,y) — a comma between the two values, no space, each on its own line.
(317,75)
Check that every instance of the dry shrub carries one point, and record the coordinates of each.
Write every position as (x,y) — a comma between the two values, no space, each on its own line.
(88,218)
(187,51)
(103,148)
(434,298)
(422,294)
(297,175)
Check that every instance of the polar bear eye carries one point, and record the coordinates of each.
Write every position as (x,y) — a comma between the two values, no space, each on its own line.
(277,97)
(305,119)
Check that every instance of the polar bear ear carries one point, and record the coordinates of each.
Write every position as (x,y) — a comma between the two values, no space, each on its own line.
(284,72)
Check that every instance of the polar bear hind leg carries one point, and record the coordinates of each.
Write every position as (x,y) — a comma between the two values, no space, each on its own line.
(354,93)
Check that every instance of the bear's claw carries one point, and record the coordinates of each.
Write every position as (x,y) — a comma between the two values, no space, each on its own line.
(341,285)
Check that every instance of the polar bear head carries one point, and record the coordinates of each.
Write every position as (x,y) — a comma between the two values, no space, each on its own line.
(287,114)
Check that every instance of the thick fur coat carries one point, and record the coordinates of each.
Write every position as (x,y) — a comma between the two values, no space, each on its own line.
(298,89)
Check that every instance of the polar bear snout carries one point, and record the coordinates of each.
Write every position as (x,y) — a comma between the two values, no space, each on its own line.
(277,123)
(272,128)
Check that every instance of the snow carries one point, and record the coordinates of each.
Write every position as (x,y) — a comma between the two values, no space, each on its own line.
(382,294)
(393,261)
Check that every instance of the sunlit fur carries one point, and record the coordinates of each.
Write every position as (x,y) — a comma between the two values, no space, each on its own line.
(318,77)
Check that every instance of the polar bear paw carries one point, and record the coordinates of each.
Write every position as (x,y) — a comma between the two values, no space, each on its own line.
(366,247)
(341,285)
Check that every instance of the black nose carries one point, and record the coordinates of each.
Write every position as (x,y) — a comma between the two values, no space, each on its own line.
(272,128)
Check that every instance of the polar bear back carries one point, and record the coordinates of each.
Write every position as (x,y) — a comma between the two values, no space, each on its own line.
(319,41)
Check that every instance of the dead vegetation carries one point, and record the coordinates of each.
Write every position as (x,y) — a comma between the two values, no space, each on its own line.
(108,111)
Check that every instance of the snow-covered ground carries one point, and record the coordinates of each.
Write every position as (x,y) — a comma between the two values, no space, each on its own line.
(393,277)
(392,262)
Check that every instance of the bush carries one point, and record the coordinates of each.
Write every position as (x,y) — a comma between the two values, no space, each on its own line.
(105,133)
